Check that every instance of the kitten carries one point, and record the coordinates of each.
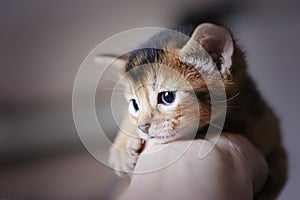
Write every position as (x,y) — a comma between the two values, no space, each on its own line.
(160,99)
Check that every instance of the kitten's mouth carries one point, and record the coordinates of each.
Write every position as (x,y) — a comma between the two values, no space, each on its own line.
(161,139)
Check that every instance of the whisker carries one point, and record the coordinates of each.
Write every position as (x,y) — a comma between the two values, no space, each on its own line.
(217,125)
(109,80)
(226,100)
(227,106)
(117,94)
(113,89)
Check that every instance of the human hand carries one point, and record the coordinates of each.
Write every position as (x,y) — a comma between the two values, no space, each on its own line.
(233,169)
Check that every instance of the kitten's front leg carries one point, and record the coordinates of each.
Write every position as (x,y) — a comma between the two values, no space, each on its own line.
(126,148)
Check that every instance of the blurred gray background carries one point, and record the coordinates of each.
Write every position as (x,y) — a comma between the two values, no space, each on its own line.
(42,44)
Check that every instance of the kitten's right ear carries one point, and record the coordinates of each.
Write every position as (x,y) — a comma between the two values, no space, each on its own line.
(117,62)
(213,40)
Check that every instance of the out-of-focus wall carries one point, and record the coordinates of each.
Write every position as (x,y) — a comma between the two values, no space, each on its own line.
(42,44)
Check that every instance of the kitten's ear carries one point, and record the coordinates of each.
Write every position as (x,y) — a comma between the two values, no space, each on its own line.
(115,62)
(217,42)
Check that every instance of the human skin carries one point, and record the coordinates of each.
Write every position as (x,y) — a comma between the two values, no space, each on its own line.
(232,169)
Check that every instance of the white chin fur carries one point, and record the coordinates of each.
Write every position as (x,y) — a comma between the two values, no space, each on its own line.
(144,136)
(162,140)
(159,138)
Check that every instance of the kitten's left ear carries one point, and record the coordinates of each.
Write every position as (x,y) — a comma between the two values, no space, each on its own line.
(115,62)
(212,39)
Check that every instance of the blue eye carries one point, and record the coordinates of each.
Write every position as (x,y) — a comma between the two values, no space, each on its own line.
(166,98)
(135,105)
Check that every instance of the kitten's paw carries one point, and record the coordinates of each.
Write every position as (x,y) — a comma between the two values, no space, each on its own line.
(124,154)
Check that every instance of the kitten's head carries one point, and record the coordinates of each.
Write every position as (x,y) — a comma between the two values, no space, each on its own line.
(167,89)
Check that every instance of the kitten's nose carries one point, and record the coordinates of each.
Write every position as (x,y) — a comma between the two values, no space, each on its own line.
(144,126)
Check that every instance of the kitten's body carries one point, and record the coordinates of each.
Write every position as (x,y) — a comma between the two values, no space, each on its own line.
(247,113)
